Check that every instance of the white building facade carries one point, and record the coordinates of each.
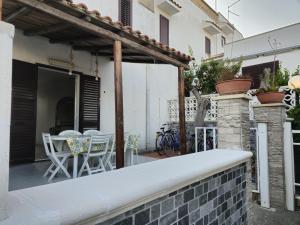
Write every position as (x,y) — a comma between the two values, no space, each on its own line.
(146,88)
(259,50)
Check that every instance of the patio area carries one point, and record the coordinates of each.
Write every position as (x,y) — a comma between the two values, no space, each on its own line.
(31,174)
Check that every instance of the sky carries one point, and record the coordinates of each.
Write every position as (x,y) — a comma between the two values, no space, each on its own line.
(258,16)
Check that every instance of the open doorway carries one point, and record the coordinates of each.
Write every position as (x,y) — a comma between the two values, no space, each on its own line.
(55,105)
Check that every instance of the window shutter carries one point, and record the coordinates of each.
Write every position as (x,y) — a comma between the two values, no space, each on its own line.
(125,12)
(207,46)
(223,41)
(23,113)
(89,103)
(164,30)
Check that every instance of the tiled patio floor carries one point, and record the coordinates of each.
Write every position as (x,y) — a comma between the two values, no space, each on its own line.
(30,175)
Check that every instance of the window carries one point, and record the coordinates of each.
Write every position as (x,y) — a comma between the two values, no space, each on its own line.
(207,46)
(223,41)
(125,12)
(164,30)
(255,72)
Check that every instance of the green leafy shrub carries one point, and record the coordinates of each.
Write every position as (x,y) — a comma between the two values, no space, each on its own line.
(205,76)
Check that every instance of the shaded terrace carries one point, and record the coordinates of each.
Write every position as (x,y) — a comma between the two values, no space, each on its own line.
(63,22)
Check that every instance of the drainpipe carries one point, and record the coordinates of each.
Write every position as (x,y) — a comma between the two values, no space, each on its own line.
(146,109)
(6,48)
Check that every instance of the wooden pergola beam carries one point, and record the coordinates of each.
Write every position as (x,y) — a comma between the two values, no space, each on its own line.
(101,32)
(47,30)
(110,55)
(15,14)
(144,61)
(93,48)
(72,39)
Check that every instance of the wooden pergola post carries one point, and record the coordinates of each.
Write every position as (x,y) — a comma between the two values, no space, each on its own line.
(1,5)
(119,116)
(181,98)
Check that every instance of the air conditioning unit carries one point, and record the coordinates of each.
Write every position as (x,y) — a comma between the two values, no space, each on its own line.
(171,7)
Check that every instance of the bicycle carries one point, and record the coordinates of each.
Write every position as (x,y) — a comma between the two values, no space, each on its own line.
(209,142)
(166,139)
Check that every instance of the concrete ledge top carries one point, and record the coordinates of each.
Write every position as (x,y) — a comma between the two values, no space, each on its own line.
(269,105)
(228,97)
(7,28)
(96,198)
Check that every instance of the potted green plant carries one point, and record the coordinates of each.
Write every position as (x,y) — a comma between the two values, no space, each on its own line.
(268,92)
(230,82)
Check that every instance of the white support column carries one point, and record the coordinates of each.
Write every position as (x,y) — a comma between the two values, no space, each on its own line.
(264,188)
(6,47)
(289,167)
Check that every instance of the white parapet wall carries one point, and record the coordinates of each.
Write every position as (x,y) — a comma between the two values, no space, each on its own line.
(102,197)
(6,45)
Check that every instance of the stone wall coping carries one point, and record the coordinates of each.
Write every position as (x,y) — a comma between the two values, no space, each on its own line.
(269,105)
(236,96)
(7,28)
(93,199)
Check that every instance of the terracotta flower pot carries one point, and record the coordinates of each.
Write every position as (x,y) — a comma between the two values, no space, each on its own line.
(236,86)
(270,97)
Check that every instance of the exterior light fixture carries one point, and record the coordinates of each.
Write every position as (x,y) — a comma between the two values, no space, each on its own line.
(294,84)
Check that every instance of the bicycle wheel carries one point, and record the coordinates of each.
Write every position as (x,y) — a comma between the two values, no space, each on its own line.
(168,142)
(159,144)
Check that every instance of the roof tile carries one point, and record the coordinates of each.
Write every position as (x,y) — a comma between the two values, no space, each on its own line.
(128,29)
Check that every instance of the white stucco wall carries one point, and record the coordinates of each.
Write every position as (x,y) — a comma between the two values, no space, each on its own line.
(256,49)
(6,45)
(146,87)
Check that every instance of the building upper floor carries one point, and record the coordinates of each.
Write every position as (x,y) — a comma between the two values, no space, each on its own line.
(182,24)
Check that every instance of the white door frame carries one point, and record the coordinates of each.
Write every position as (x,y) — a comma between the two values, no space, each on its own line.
(77,102)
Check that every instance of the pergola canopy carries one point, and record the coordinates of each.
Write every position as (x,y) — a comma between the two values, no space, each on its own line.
(62,21)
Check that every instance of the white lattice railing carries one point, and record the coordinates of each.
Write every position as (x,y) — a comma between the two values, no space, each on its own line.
(191,109)
(191,106)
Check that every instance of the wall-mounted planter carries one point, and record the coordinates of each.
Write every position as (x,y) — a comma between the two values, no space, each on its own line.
(236,86)
(270,97)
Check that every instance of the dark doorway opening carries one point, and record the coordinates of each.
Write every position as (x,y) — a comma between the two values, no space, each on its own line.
(55,105)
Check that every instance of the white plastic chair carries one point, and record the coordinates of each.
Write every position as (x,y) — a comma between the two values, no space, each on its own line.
(108,163)
(69,132)
(133,144)
(110,160)
(58,159)
(93,133)
(97,141)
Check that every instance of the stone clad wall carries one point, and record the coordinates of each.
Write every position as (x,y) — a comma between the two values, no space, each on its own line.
(274,116)
(233,122)
(218,200)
